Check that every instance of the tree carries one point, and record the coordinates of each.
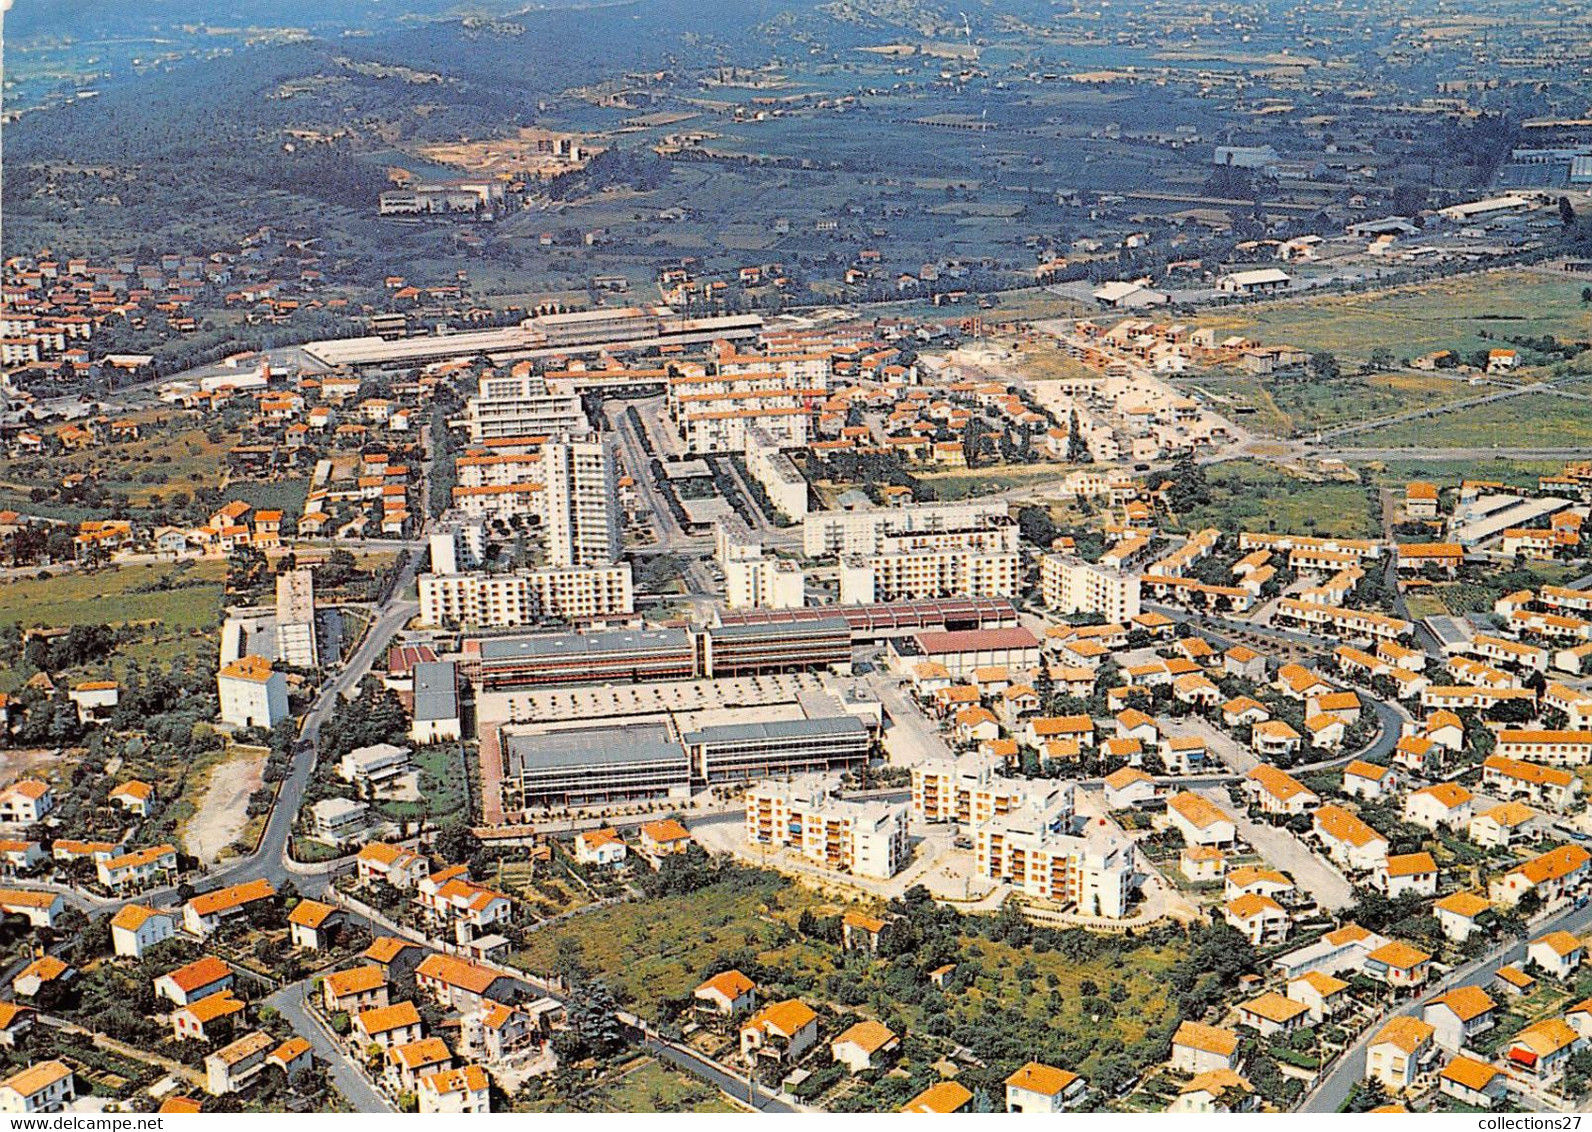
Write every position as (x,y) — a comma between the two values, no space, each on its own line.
(1324,366)
(1382,359)
(1077,447)
(457,842)
(1566,212)
(1586,294)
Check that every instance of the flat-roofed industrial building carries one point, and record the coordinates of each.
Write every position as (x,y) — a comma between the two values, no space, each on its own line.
(736,751)
(580,767)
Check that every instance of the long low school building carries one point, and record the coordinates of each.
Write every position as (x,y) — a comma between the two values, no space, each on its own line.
(571,768)
(737,751)
(877,621)
(636,655)
(632,761)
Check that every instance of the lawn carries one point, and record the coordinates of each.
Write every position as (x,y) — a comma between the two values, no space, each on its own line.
(1248,495)
(1531,419)
(441,787)
(1420,319)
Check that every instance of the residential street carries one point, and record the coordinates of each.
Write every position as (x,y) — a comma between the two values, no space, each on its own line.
(350,1081)
(1334,1089)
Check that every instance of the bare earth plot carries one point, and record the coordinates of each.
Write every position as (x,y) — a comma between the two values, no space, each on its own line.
(223,809)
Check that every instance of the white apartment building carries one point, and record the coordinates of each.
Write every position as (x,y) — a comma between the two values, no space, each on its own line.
(1027,848)
(769,466)
(714,406)
(251,693)
(864,531)
(496,601)
(929,574)
(750,580)
(295,619)
(459,547)
(969,792)
(764,583)
(522,405)
(1071,585)
(487,467)
(501,501)
(863,838)
(983,560)
(582,504)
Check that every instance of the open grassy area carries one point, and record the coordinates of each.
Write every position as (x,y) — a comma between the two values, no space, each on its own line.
(984,481)
(647,1085)
(657,949)
(177,606)
(1415,320)
(286,495)
(1247,495)
(1294,405)
(1517,473)
(180,596)
(441,787)
(171,455)
(1083,1006)
(1519,422)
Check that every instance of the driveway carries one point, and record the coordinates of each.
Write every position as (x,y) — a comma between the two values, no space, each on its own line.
(1286,852)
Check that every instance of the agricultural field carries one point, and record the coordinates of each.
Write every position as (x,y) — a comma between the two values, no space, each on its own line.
(171,455)
(175,608)
(1478,593)
(1420,319)
(1554,422)
(1296,405)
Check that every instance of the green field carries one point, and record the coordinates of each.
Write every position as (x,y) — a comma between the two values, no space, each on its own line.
(285,495)
(1293,406)
(1417,320)
(171,456)
(1246,495)
(1517,473)
(178,596)
(1520,422)
(652,951)
(984,481)
(178,606)
(1045,1001)
(644,1085)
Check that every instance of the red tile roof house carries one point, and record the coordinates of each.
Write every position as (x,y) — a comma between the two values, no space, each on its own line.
(203,977)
